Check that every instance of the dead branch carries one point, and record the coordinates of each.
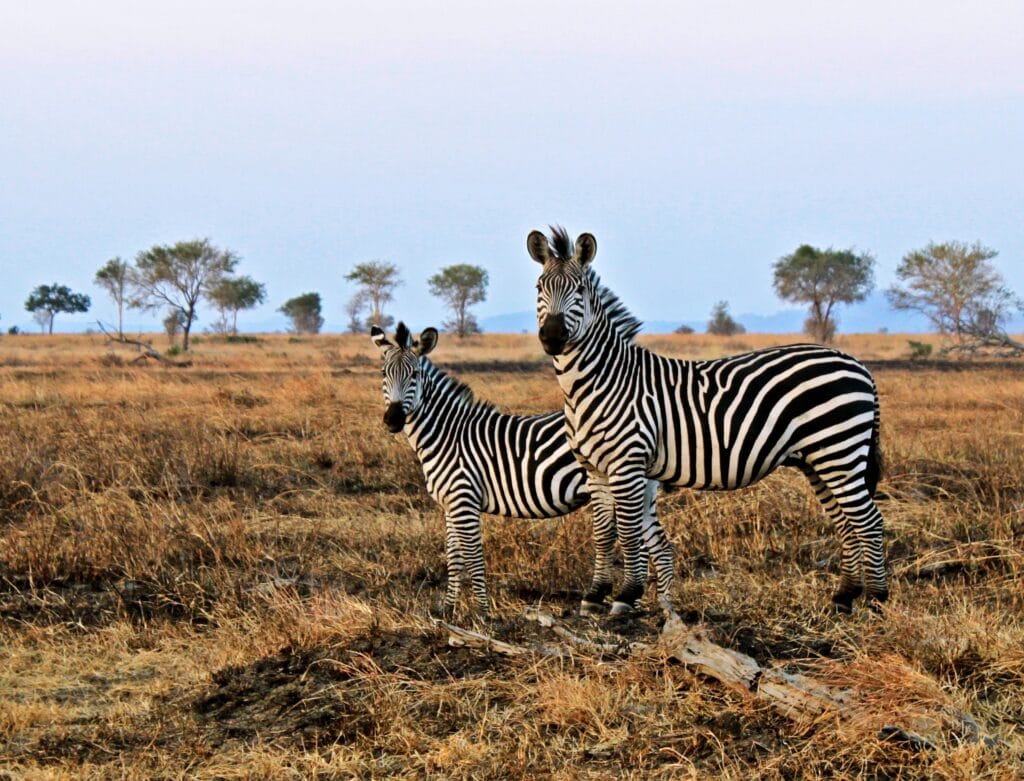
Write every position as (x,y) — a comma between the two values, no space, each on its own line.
(998,341)
(147,350)
(467,638)
(801,698)
(548,621)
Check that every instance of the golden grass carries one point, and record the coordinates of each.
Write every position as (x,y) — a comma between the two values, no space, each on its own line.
(227,571)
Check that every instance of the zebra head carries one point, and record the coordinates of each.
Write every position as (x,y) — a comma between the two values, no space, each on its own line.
(564,287)
(401,371)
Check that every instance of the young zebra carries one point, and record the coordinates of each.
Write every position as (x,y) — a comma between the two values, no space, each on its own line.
(723,424)
(476,459)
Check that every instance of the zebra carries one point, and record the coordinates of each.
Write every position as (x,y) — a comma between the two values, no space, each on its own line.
(633,415)
(476,459)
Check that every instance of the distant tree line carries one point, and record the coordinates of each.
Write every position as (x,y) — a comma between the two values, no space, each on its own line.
(953,284)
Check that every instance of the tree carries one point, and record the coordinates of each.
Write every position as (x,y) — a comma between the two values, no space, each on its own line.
(955,286)
(721,322)
(47,300)
(231,295)
(177,276)
(353,308)
(683,329)
(460,286)
(304,312)
(377,281)
(42,318)
(113,277)
(173,322)
(823,279)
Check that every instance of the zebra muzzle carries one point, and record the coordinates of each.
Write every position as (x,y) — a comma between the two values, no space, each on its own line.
(553,334)
(394,417)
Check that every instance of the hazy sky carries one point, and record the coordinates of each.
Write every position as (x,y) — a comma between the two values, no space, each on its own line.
(697,141)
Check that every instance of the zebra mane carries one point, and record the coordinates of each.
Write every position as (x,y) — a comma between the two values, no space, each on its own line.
(448,385)
(560,243)
(611,308)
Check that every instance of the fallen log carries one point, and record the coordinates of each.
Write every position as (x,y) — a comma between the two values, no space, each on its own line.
(805,700)
(147,350)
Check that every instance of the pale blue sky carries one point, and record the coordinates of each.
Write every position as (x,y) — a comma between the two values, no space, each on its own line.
(697,141)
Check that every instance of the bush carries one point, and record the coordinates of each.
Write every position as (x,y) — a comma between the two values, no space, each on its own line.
(919,351)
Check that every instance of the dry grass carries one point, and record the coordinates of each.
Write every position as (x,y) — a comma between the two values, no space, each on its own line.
(226,571)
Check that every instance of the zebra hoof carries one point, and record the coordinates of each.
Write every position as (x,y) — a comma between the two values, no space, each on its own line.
(842,600)
(876,602)
(621,609)
(591,608)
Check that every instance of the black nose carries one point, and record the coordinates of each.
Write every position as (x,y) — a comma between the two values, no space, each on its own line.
(394,417)
(553,334)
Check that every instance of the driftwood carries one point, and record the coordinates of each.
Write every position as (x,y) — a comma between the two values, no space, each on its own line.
(797,697)
(146,350)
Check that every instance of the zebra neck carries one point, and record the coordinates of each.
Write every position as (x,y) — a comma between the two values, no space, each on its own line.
(445,404)
(600,348)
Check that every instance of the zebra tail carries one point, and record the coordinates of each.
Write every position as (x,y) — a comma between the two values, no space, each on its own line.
(873,472)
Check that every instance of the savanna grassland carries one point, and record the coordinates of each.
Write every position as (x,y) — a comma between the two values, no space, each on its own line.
(228,571)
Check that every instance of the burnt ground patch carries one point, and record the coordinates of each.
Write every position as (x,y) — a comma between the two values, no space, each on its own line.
(325,695)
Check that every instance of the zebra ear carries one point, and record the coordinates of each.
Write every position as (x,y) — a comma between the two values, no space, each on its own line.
(537,246)
(378,337)
(586,248)
(402,336)
(427,342)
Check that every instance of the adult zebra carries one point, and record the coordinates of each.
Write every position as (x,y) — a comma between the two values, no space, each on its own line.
(723,424)
(476,459)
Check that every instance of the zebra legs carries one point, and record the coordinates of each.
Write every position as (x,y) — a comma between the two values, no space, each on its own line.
(658,548)
(456,565)
(603,514)
(465,550)
(641,536)
(858,522)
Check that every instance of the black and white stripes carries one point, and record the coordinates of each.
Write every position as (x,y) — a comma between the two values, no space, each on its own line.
(633,415)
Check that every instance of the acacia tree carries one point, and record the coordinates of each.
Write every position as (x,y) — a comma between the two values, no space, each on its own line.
(177,276)
(722,323)
(377,281)
(114,278)
(47,300)
(955,286)
(823,279)
(231,295)
(304,312)
(460,286)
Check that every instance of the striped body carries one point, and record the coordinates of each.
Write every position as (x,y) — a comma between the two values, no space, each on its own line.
(632,415)
(719,424)
(513,465)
